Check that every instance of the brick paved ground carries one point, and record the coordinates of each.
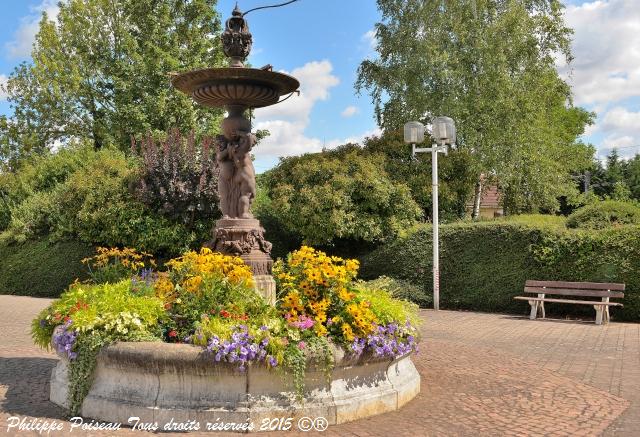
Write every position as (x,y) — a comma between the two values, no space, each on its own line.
(482,374)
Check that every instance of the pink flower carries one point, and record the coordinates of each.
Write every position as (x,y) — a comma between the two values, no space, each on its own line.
(302,345)
(303,322)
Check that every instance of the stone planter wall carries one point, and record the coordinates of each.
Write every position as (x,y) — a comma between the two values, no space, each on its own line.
(160,382)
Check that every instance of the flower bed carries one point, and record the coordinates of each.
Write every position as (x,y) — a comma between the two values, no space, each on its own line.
(324,320)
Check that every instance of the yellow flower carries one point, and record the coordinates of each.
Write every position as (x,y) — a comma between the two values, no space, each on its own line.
(344,294)
(320,329)
(193,284)
(347,332)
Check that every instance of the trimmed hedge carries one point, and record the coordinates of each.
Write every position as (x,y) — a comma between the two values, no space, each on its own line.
(600,215)
(484,265)
(41,269)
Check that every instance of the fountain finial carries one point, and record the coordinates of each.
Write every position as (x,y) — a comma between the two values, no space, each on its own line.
(236,39)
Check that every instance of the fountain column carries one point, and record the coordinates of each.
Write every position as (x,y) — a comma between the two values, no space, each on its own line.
(237,88)
(238,232)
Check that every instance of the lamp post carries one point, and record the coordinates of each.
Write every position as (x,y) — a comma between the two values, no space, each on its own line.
(443,131)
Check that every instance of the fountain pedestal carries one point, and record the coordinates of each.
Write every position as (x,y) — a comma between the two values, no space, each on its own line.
(245,238)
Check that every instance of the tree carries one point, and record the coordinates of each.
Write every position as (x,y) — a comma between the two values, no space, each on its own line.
(456,179)
(101,71)
(490,65)
(633,176)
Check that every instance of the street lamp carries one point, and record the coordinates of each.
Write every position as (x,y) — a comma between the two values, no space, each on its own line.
(443,131)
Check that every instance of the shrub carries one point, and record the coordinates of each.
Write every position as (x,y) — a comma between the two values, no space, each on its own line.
(484,265)
(39,268)
(178,178)
(326,197)
(600,215)
(93,204)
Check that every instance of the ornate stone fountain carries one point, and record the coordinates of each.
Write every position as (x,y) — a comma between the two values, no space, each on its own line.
(164,384)
(237,88)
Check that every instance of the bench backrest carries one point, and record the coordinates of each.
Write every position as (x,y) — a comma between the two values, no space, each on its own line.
(563,288)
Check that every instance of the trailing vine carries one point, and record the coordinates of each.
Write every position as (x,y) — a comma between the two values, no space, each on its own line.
(82,368)
(296,358)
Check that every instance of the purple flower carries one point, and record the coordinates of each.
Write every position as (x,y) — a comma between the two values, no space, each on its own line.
(273,362)
(241,348)
(387,341)
(65,340)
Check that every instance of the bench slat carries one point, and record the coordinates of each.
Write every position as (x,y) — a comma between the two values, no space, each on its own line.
(574,292)
(582,302)
(578,285)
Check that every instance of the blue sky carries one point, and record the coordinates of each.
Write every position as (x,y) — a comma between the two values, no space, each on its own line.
(322,43)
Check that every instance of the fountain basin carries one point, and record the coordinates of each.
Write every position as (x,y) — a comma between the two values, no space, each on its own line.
(161,382)
(251,87)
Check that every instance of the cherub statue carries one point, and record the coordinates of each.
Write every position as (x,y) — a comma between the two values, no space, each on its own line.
(245,175)
(237,178)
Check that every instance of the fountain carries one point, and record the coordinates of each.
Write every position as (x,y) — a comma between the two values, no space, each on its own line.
(167,384)
(237,88)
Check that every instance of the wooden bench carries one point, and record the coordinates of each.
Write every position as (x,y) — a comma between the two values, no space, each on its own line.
(573,289)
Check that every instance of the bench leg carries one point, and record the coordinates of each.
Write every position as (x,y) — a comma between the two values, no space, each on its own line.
(606,314)
(542,309)
(599,312)
(534,309)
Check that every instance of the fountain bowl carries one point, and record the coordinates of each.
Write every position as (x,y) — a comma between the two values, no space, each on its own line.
(250,87)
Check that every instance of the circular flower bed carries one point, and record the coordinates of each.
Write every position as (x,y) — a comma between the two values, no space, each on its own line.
(207,300)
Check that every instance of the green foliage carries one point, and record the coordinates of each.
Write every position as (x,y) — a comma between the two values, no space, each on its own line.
(89,198)
(399,289)
(297,359)
(100,73)
(81,370)
(385,305)
(215,296)
(455,174)
(283,239)
(492,68)
(484,265)
(330,196)
(633,177)
(40,268)
(604,214)
(111,308)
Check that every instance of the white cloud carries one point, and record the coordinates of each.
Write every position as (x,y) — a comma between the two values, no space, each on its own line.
(370,39)
(24,37)
(287,121)
(606,67)
(620,119)
(622,130)
(349,111)
(3,83)
(315,82)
